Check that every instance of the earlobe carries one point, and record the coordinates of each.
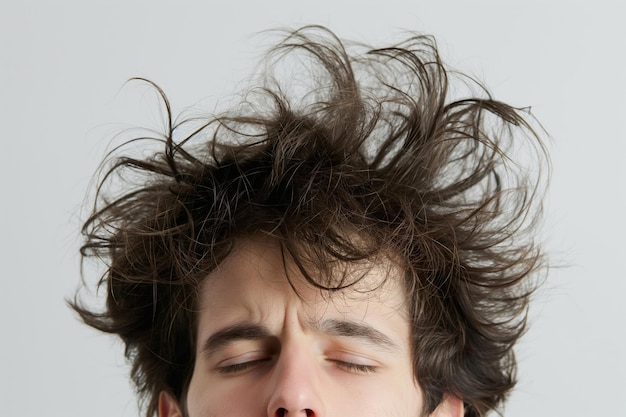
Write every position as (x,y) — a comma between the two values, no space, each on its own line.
(450,406)
(168,405)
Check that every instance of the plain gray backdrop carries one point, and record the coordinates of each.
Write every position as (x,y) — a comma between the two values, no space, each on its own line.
(62,98)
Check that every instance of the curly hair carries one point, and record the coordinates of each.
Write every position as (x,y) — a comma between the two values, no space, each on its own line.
(388,145)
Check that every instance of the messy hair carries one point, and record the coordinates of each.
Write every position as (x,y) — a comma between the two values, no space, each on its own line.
(339,152)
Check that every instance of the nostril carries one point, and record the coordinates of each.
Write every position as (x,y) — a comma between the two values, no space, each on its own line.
(282,412)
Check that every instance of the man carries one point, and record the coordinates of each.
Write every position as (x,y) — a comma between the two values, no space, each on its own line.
(355,240)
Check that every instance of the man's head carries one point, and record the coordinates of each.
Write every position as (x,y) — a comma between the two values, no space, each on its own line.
(357,244)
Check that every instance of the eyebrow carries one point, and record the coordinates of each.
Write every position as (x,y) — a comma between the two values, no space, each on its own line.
(331,327)
(352,329)
(240,331)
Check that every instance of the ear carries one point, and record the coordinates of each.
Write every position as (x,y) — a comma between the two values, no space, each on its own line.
(450,406)
(168,405)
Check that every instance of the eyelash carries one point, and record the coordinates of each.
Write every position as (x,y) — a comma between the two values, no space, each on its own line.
(240,367)
(348,366)
(355,367)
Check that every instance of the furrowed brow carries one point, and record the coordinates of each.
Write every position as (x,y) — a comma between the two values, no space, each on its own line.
(352,329)
(241,331)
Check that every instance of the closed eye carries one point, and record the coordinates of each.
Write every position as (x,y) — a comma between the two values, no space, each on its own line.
(354,367)
(237,368)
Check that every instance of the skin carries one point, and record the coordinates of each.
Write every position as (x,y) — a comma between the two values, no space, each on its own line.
(264,350)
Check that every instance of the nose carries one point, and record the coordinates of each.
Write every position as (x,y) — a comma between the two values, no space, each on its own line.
(295,386)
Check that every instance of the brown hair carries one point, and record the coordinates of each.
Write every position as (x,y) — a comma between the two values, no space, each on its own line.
(381,144)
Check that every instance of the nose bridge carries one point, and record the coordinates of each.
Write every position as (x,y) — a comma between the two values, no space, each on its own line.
(295,383)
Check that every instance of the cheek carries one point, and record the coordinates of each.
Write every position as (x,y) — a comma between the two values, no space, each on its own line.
(224,400)
(381,399)
(394,403)
(402,396)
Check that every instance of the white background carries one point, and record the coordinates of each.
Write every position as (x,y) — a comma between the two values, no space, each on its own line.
(63,65)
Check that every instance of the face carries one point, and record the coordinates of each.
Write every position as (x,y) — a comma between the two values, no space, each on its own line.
(264,350)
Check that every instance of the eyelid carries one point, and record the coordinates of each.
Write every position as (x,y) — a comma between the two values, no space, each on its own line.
(354,363)
(237,368)
(353,354)
(354,367)
(249,356)
(242,363)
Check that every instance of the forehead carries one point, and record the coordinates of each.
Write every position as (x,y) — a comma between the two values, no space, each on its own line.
(257,279)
